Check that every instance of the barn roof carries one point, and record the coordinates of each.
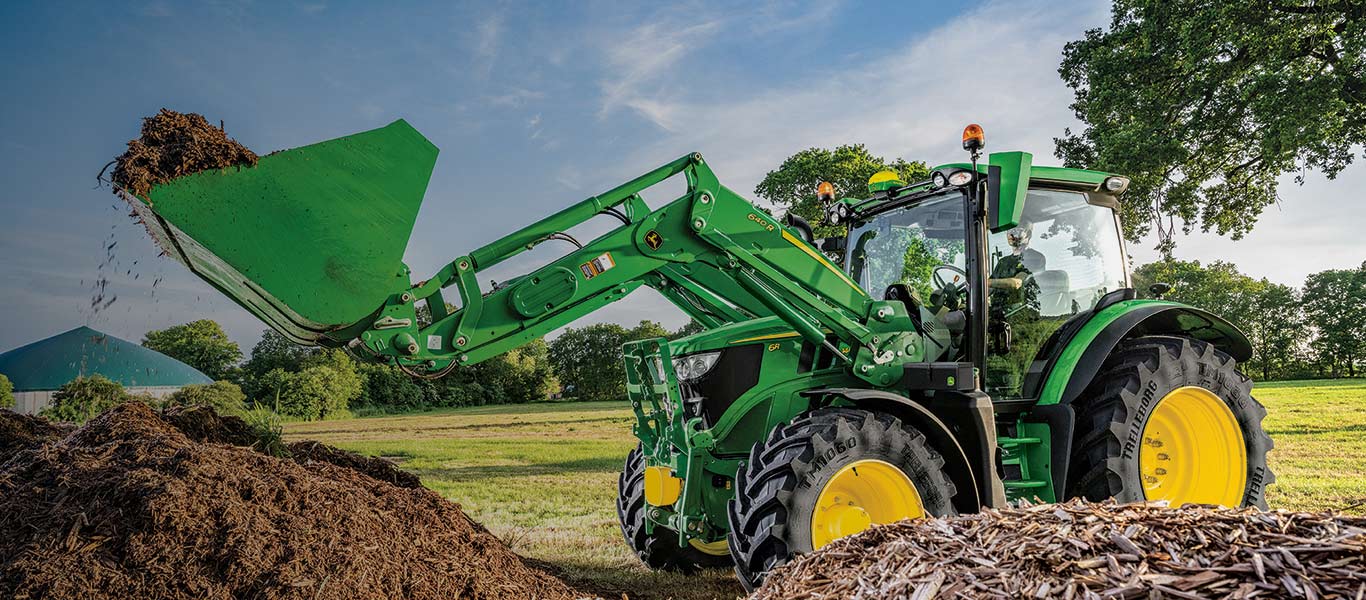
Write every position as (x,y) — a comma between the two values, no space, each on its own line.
(50,363)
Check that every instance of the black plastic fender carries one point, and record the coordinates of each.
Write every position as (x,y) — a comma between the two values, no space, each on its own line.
(967,442)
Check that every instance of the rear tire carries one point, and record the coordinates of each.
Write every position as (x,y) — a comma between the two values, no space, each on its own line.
(776,491)
(658,550)
(1113,417)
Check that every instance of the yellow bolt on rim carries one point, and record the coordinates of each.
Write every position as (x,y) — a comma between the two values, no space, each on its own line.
(717,548)
(862,494)
(1193,450)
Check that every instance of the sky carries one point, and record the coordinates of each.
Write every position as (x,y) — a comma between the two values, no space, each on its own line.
(534,105)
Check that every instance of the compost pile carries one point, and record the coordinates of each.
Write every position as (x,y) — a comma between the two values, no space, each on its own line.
(1083,550)
(173,145)
(378,468)
(22,432)
(129,506)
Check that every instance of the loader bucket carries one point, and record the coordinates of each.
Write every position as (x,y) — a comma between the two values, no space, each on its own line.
(310,240)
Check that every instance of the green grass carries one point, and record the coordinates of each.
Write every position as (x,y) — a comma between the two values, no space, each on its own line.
(543,476)
(1319,428)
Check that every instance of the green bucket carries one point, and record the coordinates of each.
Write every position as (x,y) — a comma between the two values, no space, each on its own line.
(310,240)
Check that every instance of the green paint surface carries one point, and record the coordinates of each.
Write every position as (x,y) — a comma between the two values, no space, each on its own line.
(318,231)
(1067,361)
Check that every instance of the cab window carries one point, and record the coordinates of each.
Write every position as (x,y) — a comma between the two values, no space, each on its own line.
(1062,258)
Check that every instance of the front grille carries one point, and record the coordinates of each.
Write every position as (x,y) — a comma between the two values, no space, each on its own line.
(736,372)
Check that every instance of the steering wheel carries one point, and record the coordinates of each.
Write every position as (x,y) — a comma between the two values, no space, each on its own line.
(959,282)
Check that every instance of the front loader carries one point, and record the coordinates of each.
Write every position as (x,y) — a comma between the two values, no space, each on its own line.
(974,339)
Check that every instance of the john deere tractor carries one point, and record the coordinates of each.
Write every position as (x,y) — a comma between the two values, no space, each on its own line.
(973,340)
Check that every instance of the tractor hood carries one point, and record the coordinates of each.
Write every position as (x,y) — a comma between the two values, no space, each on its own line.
(735,334)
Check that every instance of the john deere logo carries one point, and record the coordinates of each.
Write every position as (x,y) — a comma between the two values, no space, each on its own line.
(653,239)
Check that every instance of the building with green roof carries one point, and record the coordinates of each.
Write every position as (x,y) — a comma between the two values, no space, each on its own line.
(38,369)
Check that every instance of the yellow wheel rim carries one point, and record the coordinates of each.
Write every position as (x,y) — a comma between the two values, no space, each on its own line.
(1193,450)
(862,494)
(717,548)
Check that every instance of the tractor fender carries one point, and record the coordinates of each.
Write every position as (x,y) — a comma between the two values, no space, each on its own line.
(959,469)
(1085,349)
(1097,338)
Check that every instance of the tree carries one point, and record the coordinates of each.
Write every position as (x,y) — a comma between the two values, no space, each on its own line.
(529,376)
(224,397)
(1275,324)
(689,328)
(1335,304)
(1268,313)
(588,361)
(388,387)
(82,398)
(793,184)
(6,392)
(201,344)
(273,351)
(645,330)
(1205,104)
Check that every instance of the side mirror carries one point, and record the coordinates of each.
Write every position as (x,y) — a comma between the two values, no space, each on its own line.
(1007,186)
(834,244)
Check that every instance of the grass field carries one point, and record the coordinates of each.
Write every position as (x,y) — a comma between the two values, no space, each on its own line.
(543,476)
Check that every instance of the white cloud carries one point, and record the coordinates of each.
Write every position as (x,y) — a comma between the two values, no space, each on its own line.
(487,34)
(777,15)
(638,63)
(515,97)
(911,102)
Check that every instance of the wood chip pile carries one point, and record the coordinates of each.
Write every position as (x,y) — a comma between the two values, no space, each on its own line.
(1086,550)
(173,145)
(129,506)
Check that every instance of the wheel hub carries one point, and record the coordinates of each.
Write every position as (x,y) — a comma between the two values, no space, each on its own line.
(861,494)
(1193,450)
(717,548)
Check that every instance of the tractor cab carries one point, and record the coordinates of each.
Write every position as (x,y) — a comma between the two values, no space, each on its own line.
(1039,255)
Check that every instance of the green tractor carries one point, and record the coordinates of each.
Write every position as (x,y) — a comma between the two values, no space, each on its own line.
(974,339)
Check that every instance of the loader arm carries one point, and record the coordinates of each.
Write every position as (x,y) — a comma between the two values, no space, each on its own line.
(710,252)
(311,241)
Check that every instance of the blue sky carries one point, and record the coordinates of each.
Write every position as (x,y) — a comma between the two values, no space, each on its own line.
(534,106)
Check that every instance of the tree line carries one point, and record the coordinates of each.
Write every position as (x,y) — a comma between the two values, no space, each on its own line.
(1318,330)
(281,377)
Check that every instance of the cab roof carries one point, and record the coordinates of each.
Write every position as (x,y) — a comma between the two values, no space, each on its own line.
(1063,174)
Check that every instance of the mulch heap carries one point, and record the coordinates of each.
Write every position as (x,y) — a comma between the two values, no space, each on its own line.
(130,506)
(1083,550)
(173,145)
(21,432)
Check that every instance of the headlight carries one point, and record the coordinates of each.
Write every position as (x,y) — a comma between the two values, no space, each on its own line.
(960,178)
(1116,184)
(694,366)
(939,180)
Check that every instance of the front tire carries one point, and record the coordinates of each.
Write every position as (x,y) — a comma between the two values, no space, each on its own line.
(1170,418)
(658,550)
(801,488)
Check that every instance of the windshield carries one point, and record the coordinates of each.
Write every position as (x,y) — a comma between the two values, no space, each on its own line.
(907,245)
